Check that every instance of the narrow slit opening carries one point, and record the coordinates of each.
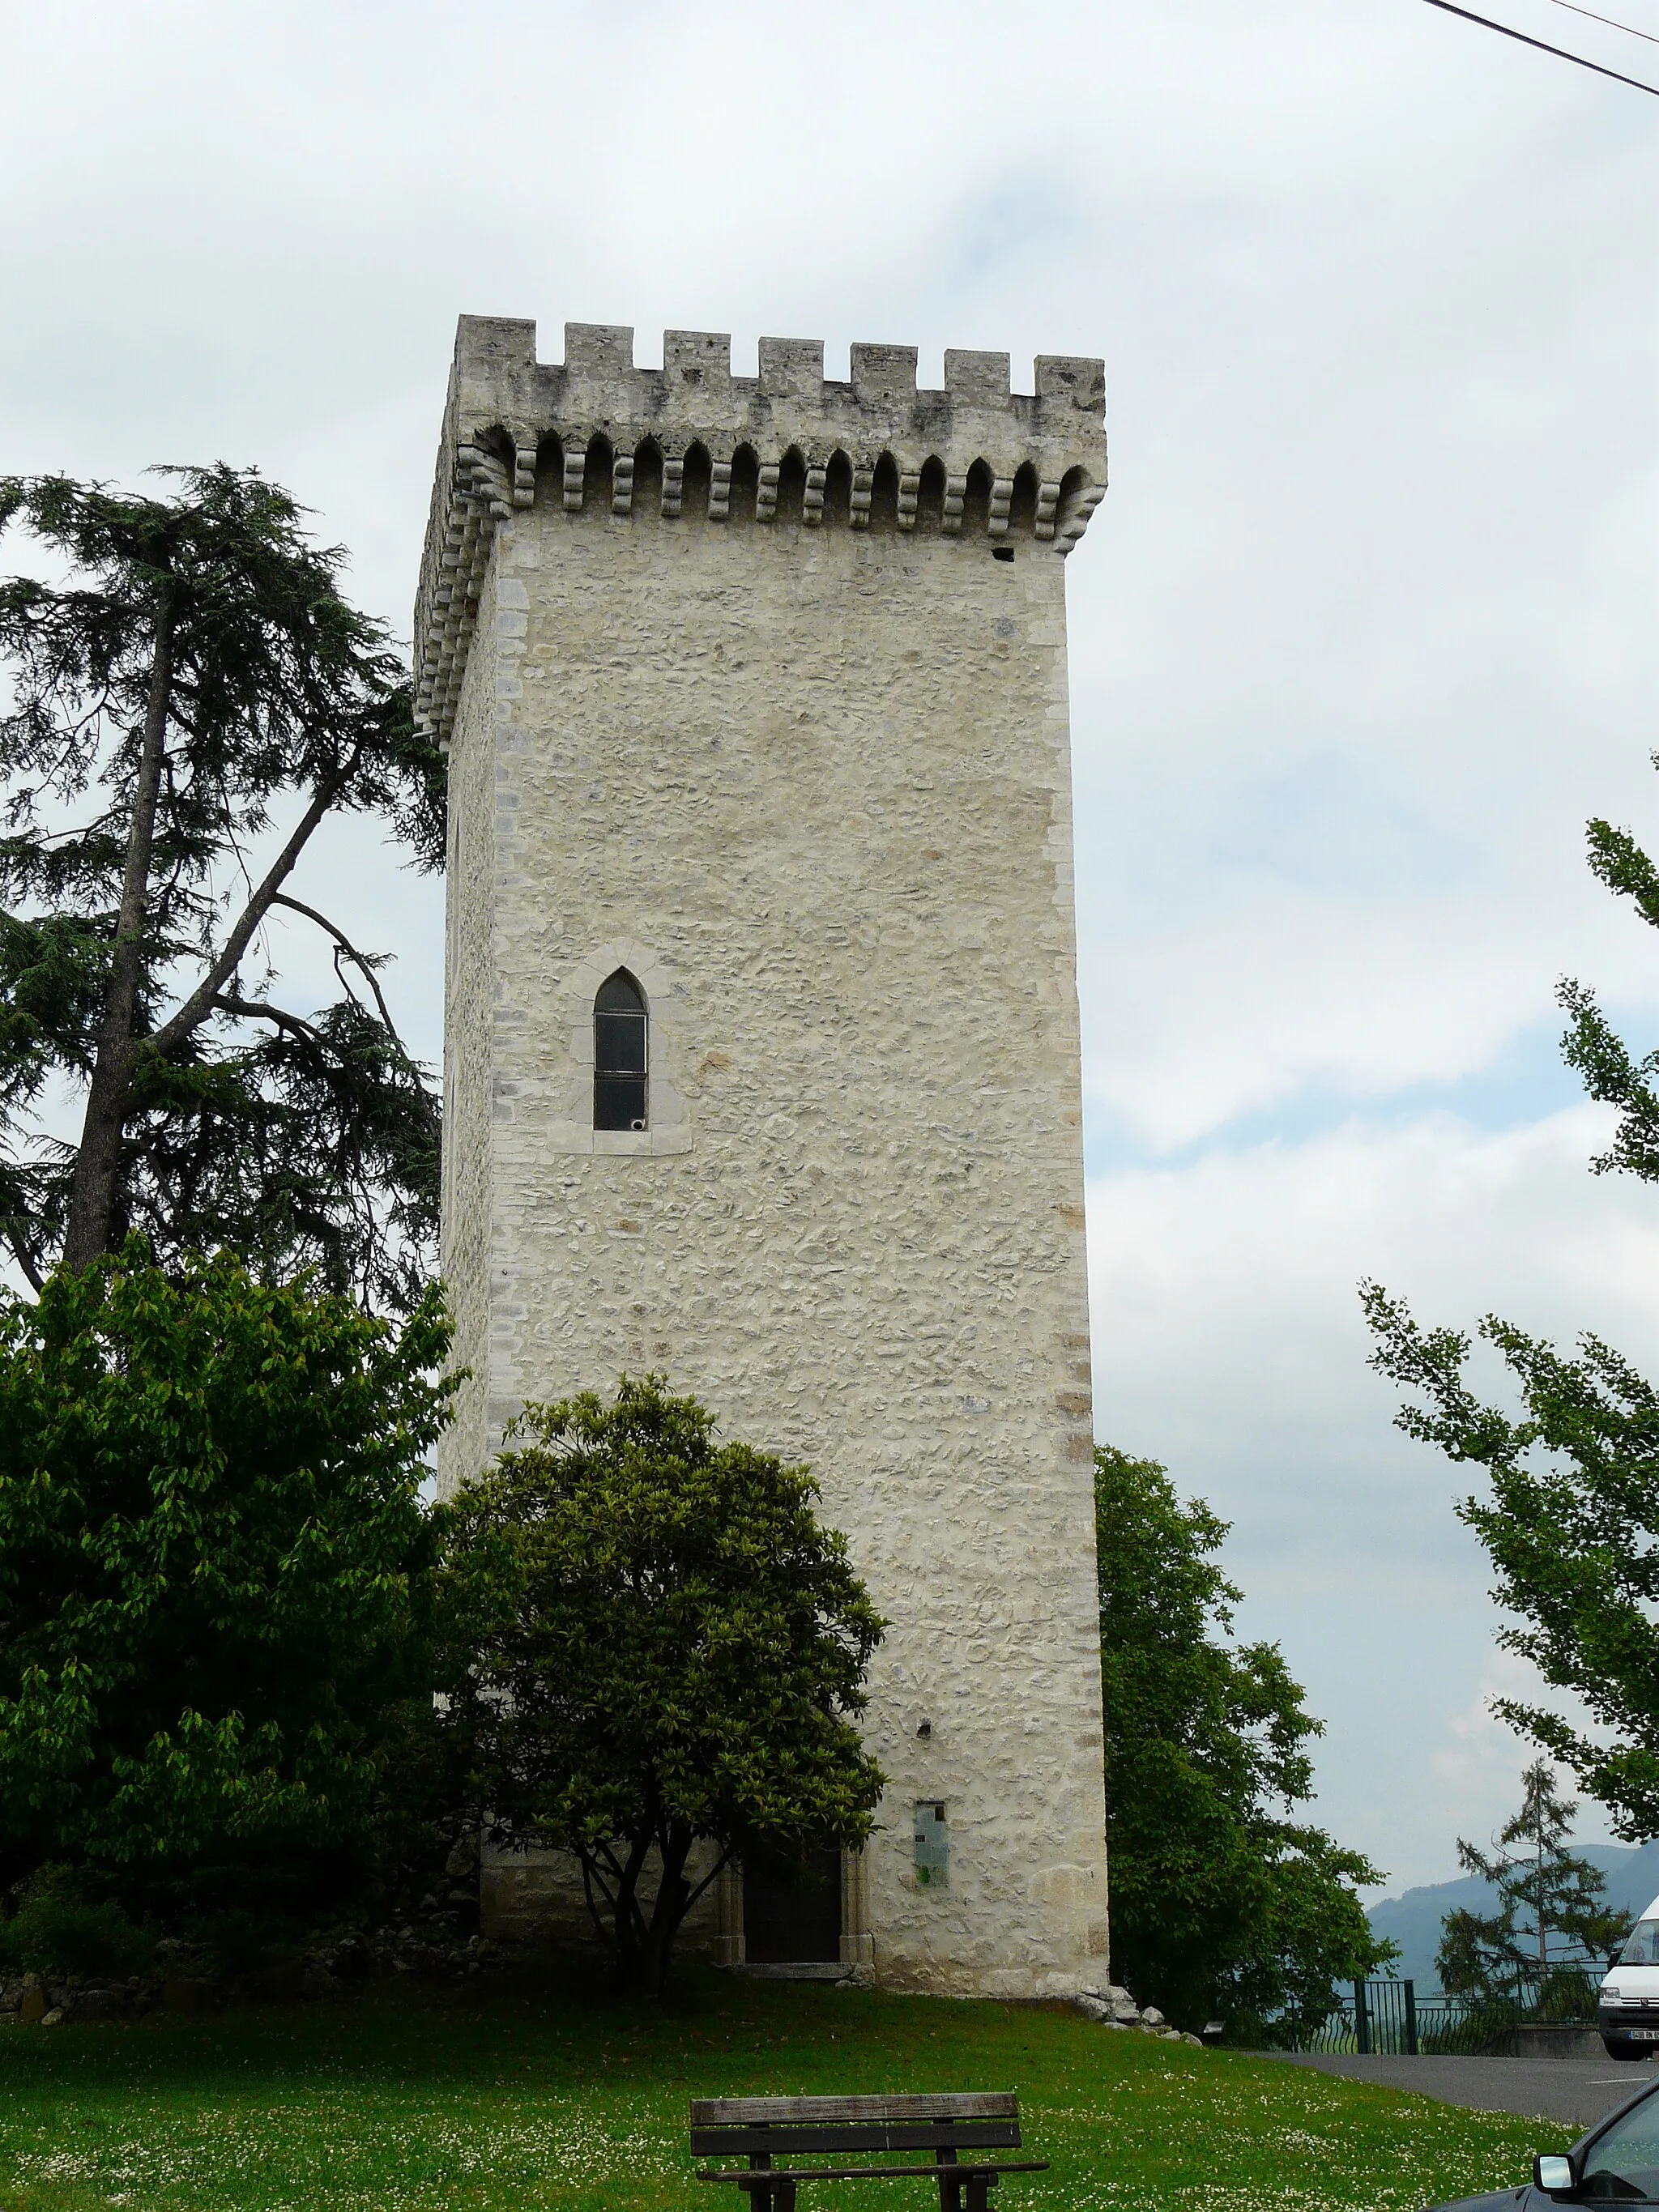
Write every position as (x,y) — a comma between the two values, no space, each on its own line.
(884,496)
(791,486)
(648,478)
(745,484)
(596,477)
(977,502)
(694,490)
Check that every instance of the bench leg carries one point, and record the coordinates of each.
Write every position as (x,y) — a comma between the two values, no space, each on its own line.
(980,2186)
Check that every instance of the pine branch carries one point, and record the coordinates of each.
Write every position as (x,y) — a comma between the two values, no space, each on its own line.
(255,1010)
(344,943)
(200,1003)
(24,1258)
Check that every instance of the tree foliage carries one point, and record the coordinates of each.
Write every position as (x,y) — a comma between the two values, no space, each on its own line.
(1571,1525)
(1543,1890)
(1221,1903)
(181,715)
(665,1651)
(215,1576)
(1572,1517)
(1611,1072)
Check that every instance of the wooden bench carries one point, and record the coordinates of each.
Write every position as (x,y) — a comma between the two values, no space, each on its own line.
(764,2129)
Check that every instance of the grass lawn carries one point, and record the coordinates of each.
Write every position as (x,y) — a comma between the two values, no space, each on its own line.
(551,2098)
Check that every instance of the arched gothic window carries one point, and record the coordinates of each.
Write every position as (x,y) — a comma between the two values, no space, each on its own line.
(620,1067)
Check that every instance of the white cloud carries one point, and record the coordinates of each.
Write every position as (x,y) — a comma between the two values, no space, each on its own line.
(1477,1762)
(1242,1011)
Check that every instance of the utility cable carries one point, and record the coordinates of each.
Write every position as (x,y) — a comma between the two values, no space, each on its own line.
(1611,22)
(1560,52)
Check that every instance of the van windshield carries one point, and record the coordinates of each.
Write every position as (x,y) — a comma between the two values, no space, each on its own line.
(1642,1946)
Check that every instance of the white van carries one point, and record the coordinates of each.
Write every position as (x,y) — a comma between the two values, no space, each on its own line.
(1627,2008)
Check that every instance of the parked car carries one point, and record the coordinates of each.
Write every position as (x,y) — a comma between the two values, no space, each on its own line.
(1614,2162)
(1627,2006)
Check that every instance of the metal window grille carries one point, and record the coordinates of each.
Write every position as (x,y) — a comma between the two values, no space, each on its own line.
(620,1046)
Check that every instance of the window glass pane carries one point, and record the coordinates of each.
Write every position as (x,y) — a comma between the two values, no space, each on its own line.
(1642,1946)
(618,1102)
(619,994)
(932,1846)
(619,1044)
(1624,2166)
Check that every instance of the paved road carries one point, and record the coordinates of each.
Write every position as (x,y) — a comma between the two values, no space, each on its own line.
(1575,2090)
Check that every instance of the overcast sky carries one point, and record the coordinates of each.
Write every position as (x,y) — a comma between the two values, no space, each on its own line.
(1362,634)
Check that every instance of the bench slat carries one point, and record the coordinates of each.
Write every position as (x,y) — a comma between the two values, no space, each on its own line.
(728,2112)
(749,2180)
(869,2136)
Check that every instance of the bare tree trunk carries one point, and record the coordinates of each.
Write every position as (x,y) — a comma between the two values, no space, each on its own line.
(97,1166)
(673,1900)
(630,1922)
(1543,1938)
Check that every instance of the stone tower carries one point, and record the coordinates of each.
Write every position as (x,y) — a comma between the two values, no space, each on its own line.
(761,1047)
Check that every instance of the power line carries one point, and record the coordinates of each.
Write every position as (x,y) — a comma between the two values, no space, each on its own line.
(1612,23)
(1560,52)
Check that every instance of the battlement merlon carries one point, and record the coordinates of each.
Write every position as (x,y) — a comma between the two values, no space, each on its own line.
(694,396)
(504,406)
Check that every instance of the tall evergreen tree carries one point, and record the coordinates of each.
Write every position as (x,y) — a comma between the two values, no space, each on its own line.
(185,706)
(1546,1895)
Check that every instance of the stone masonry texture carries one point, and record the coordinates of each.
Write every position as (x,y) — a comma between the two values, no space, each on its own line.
(756,687)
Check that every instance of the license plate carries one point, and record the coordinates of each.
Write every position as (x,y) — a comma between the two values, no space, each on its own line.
(1642,2035)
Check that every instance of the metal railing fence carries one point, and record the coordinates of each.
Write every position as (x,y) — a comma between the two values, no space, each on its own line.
(1387,2016)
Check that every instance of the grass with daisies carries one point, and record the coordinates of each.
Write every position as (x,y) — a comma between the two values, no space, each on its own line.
(551,2095)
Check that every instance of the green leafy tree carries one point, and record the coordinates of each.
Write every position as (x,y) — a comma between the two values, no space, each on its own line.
(1611,1072)
(215,1578)
(182,712)
(1221,1903)
(1543,1891)
(1571,1518)
(1569,1523)
(666,1655)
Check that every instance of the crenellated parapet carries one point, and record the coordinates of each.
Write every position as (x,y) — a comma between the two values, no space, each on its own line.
(691,445)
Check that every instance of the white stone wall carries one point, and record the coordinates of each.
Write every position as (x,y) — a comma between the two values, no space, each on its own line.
(812,787)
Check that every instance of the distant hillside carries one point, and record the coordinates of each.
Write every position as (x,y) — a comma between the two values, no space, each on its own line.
(1413,1921)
